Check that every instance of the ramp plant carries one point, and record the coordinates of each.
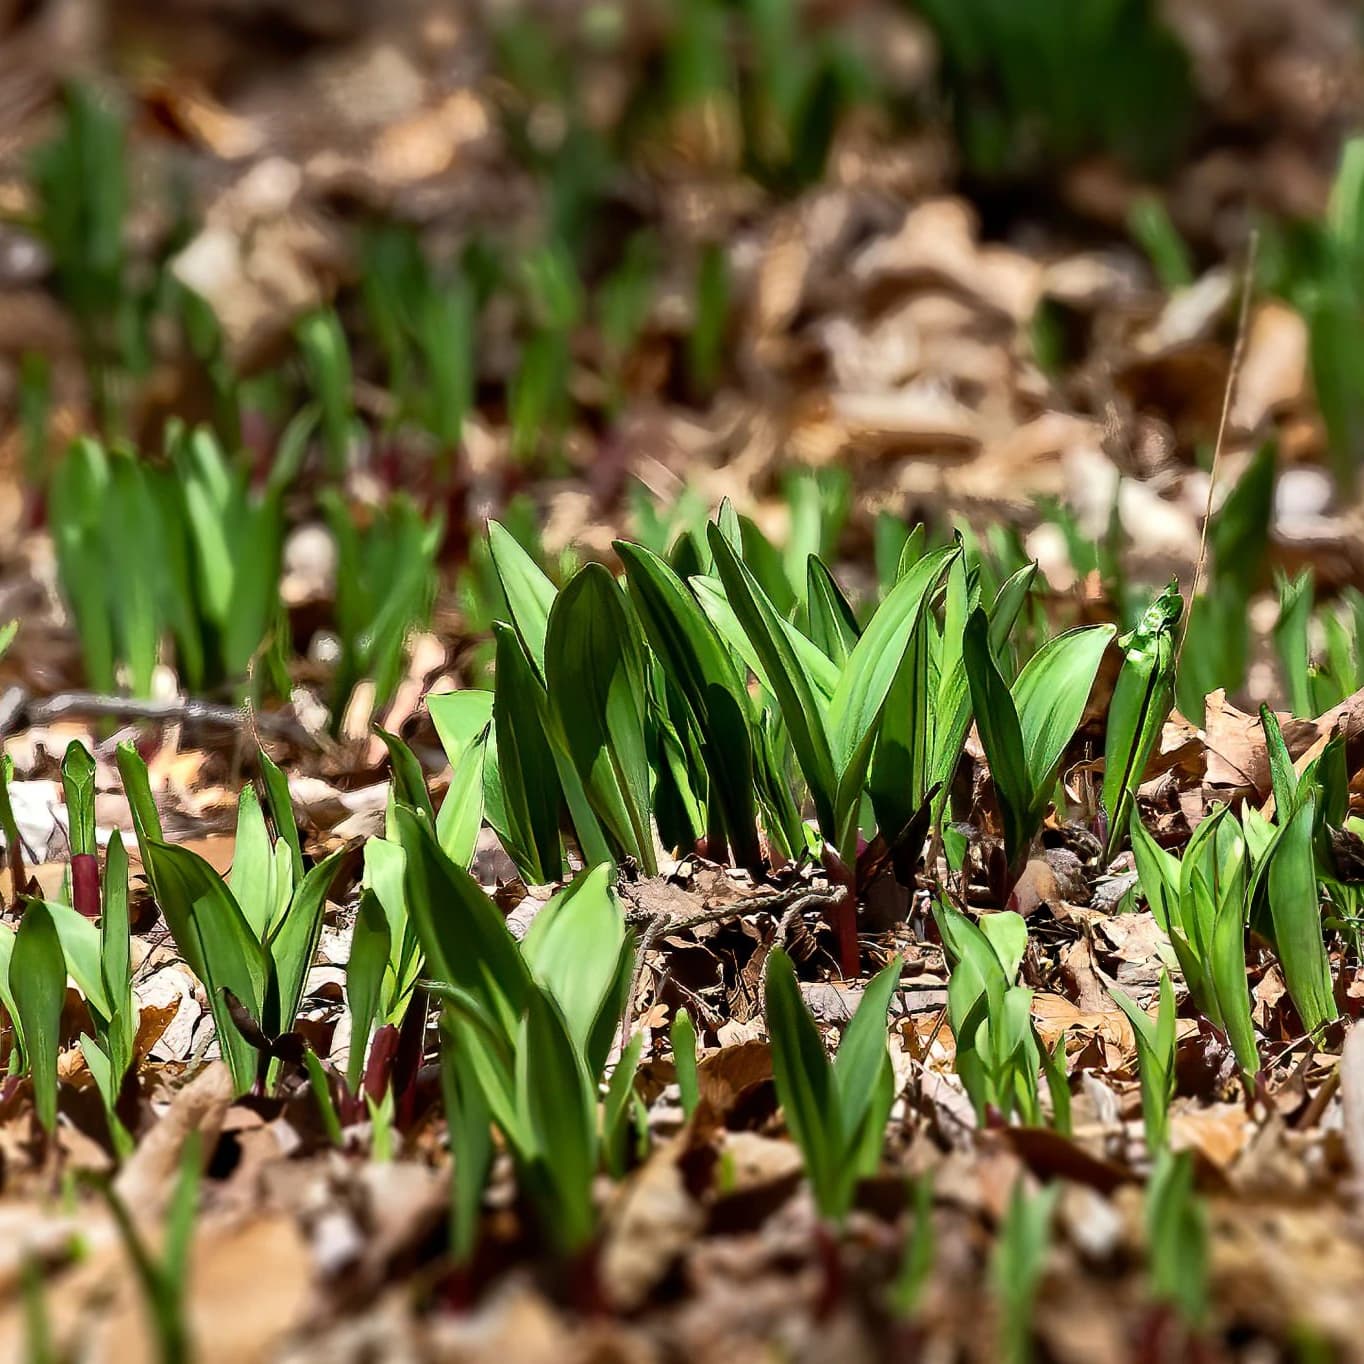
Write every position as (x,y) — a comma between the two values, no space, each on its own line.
(1025,727)
(836,1111)
(998,1053)
(251,938)
(1202,901)
(1156,1060)
(528,1031)
(188,553)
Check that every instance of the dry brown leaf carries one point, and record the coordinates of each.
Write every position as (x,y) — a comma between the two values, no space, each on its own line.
(146,1180)
(647,1227)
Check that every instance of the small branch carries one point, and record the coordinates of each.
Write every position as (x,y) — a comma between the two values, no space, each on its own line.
(1233,370)
(19,711)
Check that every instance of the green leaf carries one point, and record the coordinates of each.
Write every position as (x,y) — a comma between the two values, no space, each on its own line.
(557,1096)
(531,797)
(320,1085)
(365,966)
(821,670)
(1158,873)
(1282,776)
(855,710)
(327,359)
(683,1039)
(281,807)
(594,672)
(695,660)
(463,721)
(216,942)
(37,983)
(1156,1059)
(468,1118)
(786,676)
(616,1108)
(529,593)
(137,788)
(1295,909)
(409,782)
(1142,698)
(81,949)
(1001,736)
(573,950)
(78,787)
(806,1086)
(1296,596)
(115,955)
(252,878)
(1177,1237)
(1008,604)
(465,939)
(293,946)
(833,625)
(1051,693)
(862,1052)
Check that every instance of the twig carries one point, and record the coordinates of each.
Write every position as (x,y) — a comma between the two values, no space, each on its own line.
(791,902)
(19,711)
(1233,370)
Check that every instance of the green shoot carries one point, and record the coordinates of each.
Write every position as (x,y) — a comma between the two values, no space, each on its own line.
(836,1112)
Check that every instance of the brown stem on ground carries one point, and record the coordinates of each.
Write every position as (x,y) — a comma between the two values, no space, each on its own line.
(843,913)
(831,1262)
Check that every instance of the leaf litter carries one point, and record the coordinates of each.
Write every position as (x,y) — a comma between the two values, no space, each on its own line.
(886,336)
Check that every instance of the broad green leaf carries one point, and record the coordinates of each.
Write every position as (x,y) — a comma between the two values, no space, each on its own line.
(409,782)
(137,788)
(468,1120)
(365,966)
(1228,973)
(529,593)
(1008,603)
(1282,775)
(902,777)
(1296,597)
(1050,695)
(832,624)
(252,876)
(293,946)
(526,769)
(1158,873)
(216,942)
(696,661)
(1156,1059)
(573,949)
(594,671)
(683,1038)
(1007,934)
(862,1051)
(464,722)
(557,1096)
(805,1085)
(821,670)
(465,939)
(616,1108)
(115,954)
(1142,698)
(1295,909)
(787,677)
(37,984)
(281,807)
(81,948)
(1001,737)
(855,710)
